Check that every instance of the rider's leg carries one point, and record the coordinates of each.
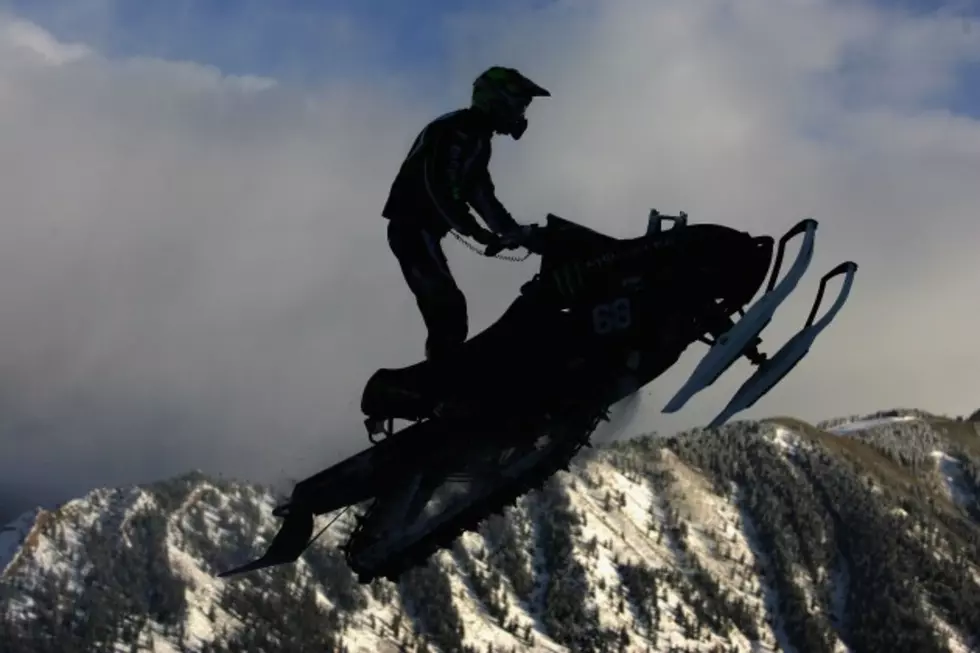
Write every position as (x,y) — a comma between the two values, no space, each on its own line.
(439,299)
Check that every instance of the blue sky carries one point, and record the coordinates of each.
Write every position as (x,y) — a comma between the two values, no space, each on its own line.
(966,97)
(285,38)
(308,41)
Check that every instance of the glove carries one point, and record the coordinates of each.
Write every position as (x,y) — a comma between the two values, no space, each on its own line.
(516,237)
(485,237)
(507,240)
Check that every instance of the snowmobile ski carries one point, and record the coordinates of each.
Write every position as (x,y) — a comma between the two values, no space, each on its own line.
(733,343)
(782,362)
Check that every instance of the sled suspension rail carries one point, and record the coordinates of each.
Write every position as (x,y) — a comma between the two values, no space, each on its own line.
(376,548)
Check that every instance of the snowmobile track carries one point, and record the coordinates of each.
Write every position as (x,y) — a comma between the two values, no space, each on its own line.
(442,538)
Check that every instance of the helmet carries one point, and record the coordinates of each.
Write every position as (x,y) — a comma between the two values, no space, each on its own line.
(504,94)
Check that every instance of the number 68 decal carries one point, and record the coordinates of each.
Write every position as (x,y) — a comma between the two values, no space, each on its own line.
(613,316)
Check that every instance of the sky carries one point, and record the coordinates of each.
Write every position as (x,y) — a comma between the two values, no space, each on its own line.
(194,273)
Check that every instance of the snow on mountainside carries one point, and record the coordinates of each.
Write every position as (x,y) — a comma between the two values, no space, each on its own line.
(865,424)
(754,537)
(12,536)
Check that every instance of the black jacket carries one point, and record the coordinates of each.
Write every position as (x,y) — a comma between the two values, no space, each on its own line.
(445,173)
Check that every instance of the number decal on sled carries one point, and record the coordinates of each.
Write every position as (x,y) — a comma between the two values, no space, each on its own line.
(617,315)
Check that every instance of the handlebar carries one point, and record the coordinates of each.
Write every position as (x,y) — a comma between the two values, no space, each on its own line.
(500,244)
(493,249)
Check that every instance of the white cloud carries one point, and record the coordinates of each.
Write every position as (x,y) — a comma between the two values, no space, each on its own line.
(26,38)
(756,115)
(193,270)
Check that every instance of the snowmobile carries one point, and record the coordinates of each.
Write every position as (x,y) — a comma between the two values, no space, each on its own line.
(602,318)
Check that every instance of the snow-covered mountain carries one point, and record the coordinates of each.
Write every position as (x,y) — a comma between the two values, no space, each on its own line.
(857,534)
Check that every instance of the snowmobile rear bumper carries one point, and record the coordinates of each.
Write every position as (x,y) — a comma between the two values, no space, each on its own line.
(287,546)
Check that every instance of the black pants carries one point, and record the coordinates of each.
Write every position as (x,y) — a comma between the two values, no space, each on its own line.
(440,300)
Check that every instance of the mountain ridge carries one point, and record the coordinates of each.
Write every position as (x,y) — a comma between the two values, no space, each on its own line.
(756,536)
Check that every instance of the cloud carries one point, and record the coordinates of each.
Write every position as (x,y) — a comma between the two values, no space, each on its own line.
(756,116)
(25,38)
(185,259)
(193,271)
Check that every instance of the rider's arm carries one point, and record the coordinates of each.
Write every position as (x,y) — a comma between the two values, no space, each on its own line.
(443,171)
(484,201)
(482,196)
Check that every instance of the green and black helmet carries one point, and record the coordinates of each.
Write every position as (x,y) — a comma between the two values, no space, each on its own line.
(504,94)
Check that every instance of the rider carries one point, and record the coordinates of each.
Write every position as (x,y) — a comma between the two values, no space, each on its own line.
(446,173)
